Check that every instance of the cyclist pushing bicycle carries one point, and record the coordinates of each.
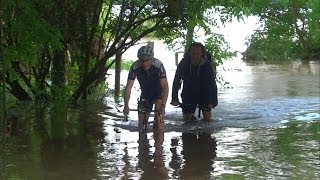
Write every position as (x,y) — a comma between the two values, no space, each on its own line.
(152,78)
(197,73)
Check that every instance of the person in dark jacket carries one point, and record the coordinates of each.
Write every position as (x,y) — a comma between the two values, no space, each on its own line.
(197,74)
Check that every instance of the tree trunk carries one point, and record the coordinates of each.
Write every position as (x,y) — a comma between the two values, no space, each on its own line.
(58,78)
(117,75)
(189,36)
(41,73)
(3,98)
(84,85)
(58,70)
(18,92)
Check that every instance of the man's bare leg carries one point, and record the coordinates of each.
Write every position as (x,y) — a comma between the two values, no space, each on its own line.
(187,117)
(158,123)
(206,116)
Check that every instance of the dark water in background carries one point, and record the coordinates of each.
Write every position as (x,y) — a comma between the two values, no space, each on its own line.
(266,126)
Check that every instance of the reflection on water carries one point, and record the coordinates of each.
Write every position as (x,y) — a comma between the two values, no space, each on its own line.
(199,152)
(267,126)
(151,164)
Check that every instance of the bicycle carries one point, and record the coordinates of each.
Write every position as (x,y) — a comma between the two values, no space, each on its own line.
(144,114)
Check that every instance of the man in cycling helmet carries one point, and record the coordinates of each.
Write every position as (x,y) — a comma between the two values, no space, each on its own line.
(152,78)
(196,71)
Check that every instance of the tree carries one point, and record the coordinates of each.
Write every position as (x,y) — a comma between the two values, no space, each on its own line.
(123,23)
(25,35)
(291,31)
(62,49)
(39,35)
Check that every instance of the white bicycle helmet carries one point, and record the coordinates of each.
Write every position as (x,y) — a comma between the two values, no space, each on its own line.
(145,52)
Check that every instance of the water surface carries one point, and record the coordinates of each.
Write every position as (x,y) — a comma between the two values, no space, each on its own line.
(266,126)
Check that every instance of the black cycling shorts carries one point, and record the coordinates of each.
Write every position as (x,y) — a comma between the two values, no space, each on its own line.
(145,105)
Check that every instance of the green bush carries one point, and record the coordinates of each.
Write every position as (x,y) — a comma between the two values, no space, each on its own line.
(125,64)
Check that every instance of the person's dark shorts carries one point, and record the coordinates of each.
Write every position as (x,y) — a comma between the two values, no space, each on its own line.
(191,108)
(146,105)
(191,100)
(147,98)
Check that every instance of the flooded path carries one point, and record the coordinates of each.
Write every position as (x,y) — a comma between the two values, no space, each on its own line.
(266,126)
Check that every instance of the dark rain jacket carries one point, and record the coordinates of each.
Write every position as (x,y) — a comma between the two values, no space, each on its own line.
(199,85)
